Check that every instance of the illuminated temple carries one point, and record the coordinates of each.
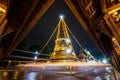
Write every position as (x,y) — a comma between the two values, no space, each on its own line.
(63,49)
(99,18)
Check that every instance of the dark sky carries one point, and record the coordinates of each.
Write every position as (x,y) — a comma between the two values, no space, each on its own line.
(45,26)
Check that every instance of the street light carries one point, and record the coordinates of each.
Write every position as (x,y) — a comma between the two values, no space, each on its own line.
(36,52)
(104,61)
(35,57)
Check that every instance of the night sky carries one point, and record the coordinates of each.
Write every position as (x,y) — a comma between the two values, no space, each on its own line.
(45,26)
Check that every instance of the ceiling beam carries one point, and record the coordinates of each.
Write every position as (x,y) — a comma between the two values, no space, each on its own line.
(23,32)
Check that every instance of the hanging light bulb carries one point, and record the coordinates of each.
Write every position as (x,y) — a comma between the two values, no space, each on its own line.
(67,40)
(35,57)
(68,50)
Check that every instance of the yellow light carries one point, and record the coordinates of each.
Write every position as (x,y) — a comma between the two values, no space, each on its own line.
(2,10)
(113,39)
(115,13)
(5,73)
(114,10)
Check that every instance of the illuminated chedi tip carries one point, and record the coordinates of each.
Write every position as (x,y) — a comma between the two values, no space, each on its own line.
(60,64)
(115,13)
(61,16)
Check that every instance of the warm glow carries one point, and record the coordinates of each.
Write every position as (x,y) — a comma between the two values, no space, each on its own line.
(2,10)
(113,39)
(115,13)
(63,47)
(114,10)
(5,73)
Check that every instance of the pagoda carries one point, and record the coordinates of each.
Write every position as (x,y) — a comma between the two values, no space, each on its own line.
(63,49)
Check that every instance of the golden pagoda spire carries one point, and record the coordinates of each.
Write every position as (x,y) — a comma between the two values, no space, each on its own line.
(63,49)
